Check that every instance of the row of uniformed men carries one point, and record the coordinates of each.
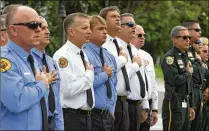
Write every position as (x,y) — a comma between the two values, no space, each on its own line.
(104,81)
(186,78)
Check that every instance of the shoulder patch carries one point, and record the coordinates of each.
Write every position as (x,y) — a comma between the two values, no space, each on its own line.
(5,64)
(169,60)
(63,62)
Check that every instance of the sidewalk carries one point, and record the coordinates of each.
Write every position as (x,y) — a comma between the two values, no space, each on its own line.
(159,125)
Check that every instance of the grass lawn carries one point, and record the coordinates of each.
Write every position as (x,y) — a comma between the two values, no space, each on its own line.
(158,71)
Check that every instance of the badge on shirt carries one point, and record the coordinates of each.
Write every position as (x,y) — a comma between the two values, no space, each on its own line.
(180,63)
(190,55)
(169,60)
(63,62)
(5,64)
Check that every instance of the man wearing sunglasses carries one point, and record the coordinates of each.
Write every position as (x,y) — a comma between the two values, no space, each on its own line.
(112,16)
(77,75)
(3,37)
(151,84)
(177,111)
(23,87)
(198,75)
(137,100)
(55,116)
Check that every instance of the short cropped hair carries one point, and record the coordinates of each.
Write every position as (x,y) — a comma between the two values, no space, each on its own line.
(204,40)
(9,7)
(95,19)
(70,19)
(175,31)
(126,15)
(2,22)
(11,14)
(104,11)
(189,23)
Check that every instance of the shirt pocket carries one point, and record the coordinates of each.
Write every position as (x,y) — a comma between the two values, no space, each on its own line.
(78,69)
(149,69)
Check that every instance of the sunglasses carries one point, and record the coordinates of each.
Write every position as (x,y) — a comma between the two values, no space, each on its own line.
(3,29)
(184,37)
(197,42)
(129,24)
(196,29)
(205,51)
(140,35)
(30,25)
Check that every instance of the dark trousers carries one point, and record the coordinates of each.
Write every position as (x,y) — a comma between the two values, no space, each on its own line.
(145,126)
(134,115)
(121,115)
(75,120)
(205,119)
(101,120)
(174,116)
(198,99)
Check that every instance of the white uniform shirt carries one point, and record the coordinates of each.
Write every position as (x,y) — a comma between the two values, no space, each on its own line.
(150,73)
(121,61)
(132,68)
(74,79)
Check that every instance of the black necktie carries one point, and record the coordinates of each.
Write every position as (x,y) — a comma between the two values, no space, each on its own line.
(146,81)
(141,81)
(42,102)
(51,92)
(109,92)
(89,92)
(125,75)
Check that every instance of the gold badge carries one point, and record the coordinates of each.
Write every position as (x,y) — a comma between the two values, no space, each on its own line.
(63,62)
(5,64)
(169,60)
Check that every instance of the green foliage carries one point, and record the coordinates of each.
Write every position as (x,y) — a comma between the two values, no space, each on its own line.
(158,72)
(157,17)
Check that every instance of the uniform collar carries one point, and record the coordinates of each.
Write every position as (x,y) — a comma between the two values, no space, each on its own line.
(110,38)
(94,47)
(122,42)
(73,47)
(17,49)
(178,51)
(37,52)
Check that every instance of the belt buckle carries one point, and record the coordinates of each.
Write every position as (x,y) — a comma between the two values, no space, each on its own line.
(187,97)
(123,98)
(103,112)
(138,103)
(88,113)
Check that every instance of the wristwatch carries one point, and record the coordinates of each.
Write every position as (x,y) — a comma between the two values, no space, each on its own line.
(155,111)
(146,109)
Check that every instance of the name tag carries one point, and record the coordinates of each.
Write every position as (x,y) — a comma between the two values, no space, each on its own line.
(27,73)
(184,105)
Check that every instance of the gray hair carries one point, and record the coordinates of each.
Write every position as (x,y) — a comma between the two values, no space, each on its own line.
(126,15)
(3,22)
(70,19)
(175,31)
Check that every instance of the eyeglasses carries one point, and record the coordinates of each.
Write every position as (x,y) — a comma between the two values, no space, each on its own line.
(197,42)
(31,25)
(129,24)
(205,51)
(185,37)
(196,29)
(140,35)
